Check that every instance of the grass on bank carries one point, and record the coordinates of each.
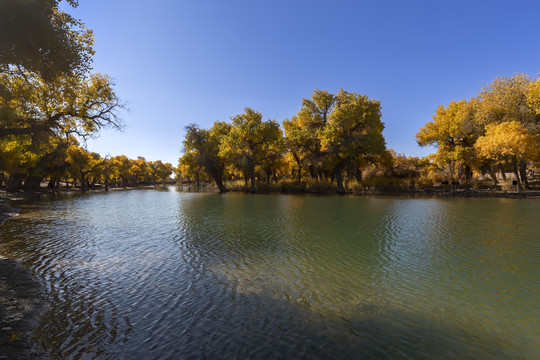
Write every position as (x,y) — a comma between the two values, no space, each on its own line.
(374,184)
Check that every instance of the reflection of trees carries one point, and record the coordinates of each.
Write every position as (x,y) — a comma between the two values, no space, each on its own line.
(331,255)
(222,228)
(246,278)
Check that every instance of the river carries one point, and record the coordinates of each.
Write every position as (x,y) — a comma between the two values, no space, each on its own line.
(167,274)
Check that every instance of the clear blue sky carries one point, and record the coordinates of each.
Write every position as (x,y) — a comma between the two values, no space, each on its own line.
(178,62)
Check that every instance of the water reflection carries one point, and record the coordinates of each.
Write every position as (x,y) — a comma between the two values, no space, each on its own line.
(169,274)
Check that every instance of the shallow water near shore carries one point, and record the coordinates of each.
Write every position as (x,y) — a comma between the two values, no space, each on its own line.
(170,274)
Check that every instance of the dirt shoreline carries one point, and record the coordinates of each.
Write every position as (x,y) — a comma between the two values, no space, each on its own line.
(21,302)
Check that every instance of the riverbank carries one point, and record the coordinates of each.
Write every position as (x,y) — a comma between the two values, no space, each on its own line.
(446,193)
(330,189)
(21,300)
(21,303)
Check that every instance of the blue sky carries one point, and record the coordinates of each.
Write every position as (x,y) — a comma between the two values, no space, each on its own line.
(178,62)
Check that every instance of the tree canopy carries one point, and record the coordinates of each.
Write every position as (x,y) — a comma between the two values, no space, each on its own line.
(329,135)
(66,105)
(38,37)
(498,127)
(250,142)
(48,98)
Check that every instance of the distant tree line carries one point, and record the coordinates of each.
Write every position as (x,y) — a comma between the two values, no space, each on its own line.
(25,166)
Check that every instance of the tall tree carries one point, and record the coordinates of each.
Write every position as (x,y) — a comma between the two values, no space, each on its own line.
(159,171)
(505,99)
(304,130)
(354,130)
(295,141)
(511,99)
(122,165)
(249,141)
(454,131)
(204,146)
(189,167)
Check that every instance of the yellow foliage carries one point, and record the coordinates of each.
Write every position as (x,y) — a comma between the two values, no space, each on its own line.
(533,95)
(505,140)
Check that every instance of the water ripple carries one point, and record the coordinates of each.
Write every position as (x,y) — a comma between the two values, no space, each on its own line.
(166,274)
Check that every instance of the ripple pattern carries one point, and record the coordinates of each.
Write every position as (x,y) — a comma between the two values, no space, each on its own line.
(168,274)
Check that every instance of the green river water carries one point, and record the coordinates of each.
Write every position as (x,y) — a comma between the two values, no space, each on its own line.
(166,274)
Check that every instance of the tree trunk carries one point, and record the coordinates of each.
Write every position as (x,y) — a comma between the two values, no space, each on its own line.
(523,174)
(246,180)
(268,172)
(358,176)
(503,174)
(452,173)
(252,174)
(491,173)
(31,184)
(516,172)
(313,173)
(14,183)
(83,182)
(468,176)
(217,176)
(339,180)
(221,187)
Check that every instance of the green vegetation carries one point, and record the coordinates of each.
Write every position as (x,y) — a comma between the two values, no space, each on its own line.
(332,135)
(335,144)
(496,131)
(50,102)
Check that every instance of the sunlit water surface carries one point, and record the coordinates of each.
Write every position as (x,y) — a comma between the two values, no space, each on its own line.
(163,274)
